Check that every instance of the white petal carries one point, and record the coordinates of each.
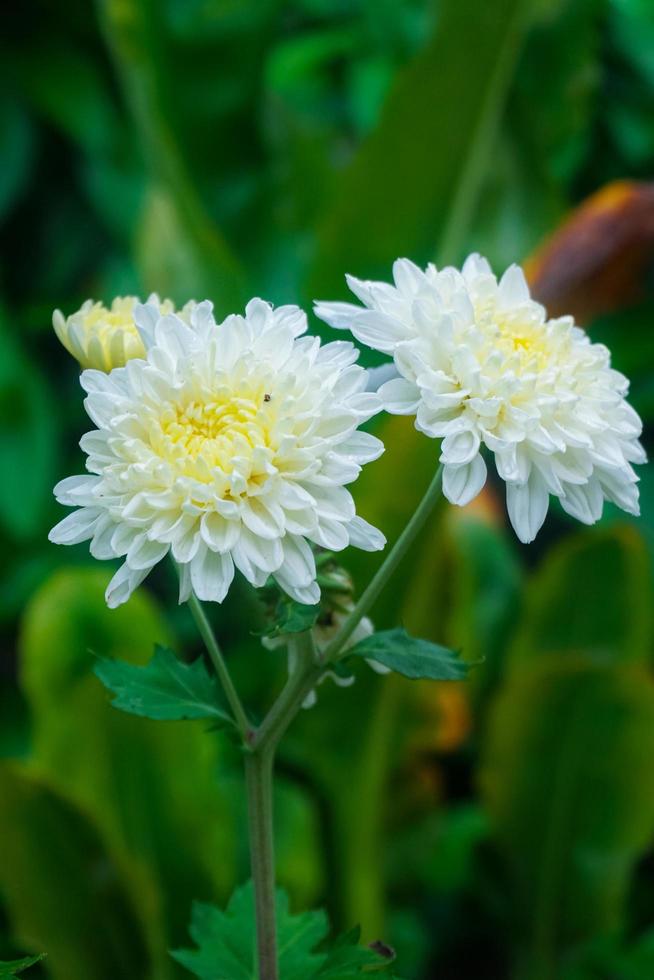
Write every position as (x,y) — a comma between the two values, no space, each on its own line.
(259,314)
(330,534)
(461,484)
(379,331)
(363,535)
(218,533)
(378,376)
(400,397)
(123,584)
(309,595)
(76,527)
(100,546)
(144,554)
(459,448)
(513,288)
(211,574)
(262,521)
(408,278)
(475,265)
(253,554)
(77,490)
(337,315)
(583,502)
(146,317)
(187,542)
(527,505)
(299,565)
(362,447)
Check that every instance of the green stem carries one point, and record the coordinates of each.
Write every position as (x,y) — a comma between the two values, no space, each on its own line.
(384,573)
(259,763)
(207,634)
(301,682)
(259,780)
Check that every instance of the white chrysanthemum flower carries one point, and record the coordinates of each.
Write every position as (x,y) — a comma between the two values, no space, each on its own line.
(229,446)
(480,364)
(104,338)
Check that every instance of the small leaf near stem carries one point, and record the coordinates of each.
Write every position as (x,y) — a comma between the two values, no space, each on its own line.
(207,634)
(411,656)
(165,689)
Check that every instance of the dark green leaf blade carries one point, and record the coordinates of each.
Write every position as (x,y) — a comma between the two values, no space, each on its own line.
(346,959)
(226,940)
(411,656)
(226,944)
(9,968)
(400,193)
(165,689)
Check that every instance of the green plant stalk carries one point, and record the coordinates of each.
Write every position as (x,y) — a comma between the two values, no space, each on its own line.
(259,767)
(312,665)
(207,634)
(388,567)
(259,784)
(260,744)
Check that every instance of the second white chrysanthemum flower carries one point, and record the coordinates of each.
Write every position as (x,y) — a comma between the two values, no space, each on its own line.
(230,446)
(480,364)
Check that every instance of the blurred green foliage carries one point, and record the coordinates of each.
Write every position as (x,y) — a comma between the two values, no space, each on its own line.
(228,148)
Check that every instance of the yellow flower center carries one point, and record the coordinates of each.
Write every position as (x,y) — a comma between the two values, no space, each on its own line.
(517,333)
(204,436)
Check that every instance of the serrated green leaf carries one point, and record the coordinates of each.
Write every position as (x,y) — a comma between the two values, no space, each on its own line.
(411,656)
(346,959)
(9,968)
(226,944)
(166,689)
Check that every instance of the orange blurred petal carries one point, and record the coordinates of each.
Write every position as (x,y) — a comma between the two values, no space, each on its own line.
(596,261)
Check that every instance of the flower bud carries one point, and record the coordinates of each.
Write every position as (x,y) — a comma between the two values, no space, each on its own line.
(105,338)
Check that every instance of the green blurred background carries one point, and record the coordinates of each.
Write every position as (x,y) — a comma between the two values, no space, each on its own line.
(228,148)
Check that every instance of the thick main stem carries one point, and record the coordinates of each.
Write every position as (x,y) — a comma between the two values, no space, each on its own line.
(258,777)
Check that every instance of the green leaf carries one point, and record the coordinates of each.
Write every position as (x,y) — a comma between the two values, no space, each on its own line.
(292,617)
(165,689)
(609,617)
(28,439)
(403,194)
(63,889)
(160,795)
(180,250)
(17,140)
(410,656)
(566,776)
(346,959)
(226,944)
(9,968)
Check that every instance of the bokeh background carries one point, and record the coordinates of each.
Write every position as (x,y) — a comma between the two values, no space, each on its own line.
(502,828)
